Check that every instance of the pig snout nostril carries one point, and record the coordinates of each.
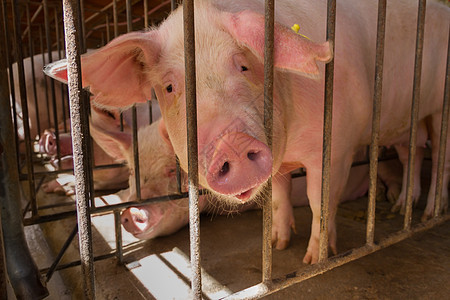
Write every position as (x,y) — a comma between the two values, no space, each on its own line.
(225,169)
(252,155)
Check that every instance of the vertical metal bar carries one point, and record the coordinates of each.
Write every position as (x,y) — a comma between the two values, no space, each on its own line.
(268,125)
(108,30)
(11,78)
(326,160)
(129,18)
(52,81)
(173,5)
(118,231)
(178,174)
(145,13)
(150,110)
(443,138)
(115,19)
(33,76)
(58,48)
(191,118)
(3,273)
(23,101)
(41,42)
(80,149)
(136,153)
(414,112)
(23,274)
(82,28)
(58,257)
(370,230)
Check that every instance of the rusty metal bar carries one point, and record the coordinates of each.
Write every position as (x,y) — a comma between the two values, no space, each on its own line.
(41,42)
(326,160)
(52,81)
(191,118)
(129,17)
(145,13)
(115,19)
(137,174)
(80,147)
(33,73)
(58,48)
(373,152)
(414,112)
(443,138)
(22,270)
(24,103)
(11,78)
(118,233)
(63,250)
(269,22)
(82,26)
(264,289)
(108,30)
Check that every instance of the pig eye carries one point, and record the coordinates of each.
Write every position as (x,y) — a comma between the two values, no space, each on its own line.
(244,68)
(110,114)
(169,88)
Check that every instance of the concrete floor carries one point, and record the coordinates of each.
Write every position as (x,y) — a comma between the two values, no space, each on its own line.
(416,268)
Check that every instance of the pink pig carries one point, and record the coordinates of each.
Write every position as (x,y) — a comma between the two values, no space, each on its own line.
(234,160)
(105,131)
(157,178)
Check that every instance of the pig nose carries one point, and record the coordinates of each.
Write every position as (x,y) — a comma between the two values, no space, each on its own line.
(47,143)
(134,220)
(239,165)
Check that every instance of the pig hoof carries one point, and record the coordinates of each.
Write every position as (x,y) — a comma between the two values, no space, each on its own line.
(395,208)
(310,259)
(393,193)
(425,217)
(282,244)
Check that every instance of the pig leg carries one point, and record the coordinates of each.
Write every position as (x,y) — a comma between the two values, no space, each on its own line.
(390,173)
(434,131)
(283,214)
(403,154)
(340,169)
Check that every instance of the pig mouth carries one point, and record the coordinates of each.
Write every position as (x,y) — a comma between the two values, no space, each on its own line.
(245,196)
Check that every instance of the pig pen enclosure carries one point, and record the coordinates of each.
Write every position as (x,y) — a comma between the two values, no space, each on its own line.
(66,160)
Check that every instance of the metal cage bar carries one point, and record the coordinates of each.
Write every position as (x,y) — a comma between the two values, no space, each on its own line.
(415,112)
(268,125)
(191,118)
(443,138)
(326,160)
(370,230)
(81,163)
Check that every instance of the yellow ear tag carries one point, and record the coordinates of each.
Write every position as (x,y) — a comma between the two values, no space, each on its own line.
(296,28)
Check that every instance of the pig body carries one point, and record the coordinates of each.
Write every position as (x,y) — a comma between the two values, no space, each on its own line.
(234,159)
(105,131)
(157,174)
(39,100)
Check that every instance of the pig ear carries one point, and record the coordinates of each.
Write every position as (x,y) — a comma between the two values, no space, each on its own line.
(164,134)
(57,70)
(115,144)
(116,72)
(292,52)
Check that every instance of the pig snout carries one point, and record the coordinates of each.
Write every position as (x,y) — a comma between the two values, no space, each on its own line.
(140,221)
(238,166)
(47,143)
